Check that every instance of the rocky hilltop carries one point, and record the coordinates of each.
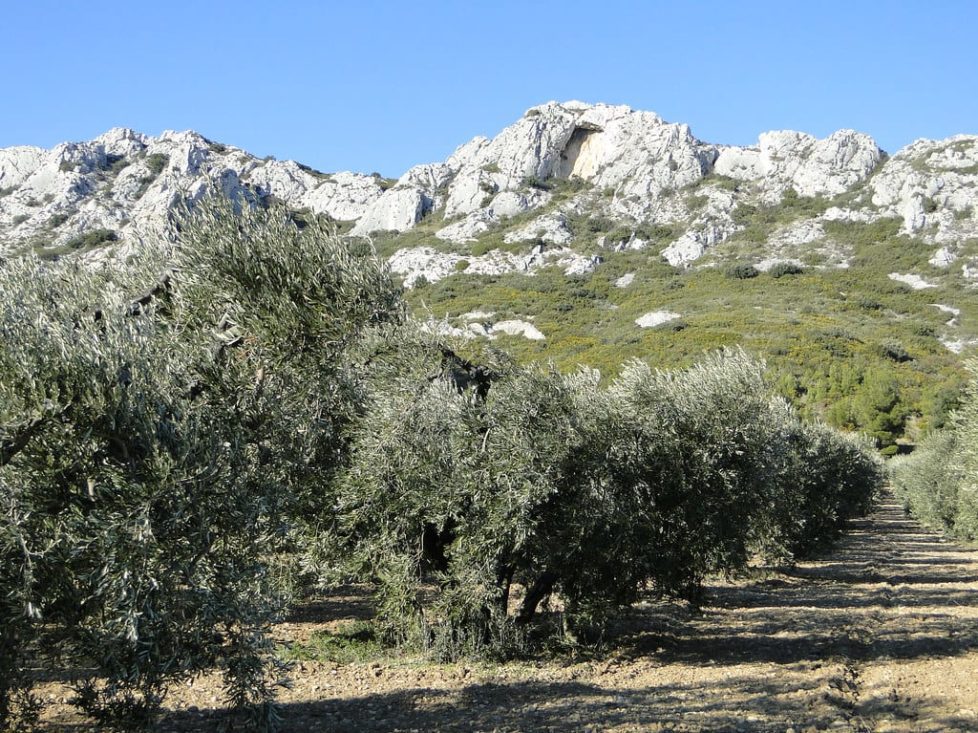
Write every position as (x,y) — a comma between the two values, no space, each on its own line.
(626,166)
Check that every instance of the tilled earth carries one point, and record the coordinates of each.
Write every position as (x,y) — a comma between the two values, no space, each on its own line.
(882,635)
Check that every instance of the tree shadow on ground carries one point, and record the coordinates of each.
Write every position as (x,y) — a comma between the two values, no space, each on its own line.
(736,705)
(762,655)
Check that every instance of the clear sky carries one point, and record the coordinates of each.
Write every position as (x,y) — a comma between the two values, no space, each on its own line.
(379,86)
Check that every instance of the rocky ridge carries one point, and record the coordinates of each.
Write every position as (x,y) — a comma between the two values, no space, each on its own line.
(612,163)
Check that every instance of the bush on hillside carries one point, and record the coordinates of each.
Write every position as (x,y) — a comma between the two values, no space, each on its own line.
(780,269)
(741,271)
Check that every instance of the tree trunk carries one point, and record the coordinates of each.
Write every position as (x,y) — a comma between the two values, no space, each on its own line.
(536,593)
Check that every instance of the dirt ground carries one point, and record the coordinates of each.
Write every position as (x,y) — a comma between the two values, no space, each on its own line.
(882,635)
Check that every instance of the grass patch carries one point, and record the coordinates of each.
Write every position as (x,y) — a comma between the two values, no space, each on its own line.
(352,641)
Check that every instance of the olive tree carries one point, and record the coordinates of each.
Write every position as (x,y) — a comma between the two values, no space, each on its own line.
(161,440)
(938,483)
(470,509)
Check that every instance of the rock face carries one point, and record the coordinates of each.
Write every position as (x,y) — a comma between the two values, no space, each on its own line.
(565,178)
(932,184)
(426,264)
(126,183)
(396,210)
(812,167)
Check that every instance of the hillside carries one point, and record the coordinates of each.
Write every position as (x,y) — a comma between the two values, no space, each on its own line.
(593,234)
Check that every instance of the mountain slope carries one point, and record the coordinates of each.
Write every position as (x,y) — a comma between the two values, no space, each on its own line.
(595,233)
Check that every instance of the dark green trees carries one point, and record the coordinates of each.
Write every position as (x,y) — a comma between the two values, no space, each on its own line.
(160,452)
(470,512)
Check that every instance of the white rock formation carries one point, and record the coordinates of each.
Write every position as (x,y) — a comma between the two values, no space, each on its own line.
(611,162)
(931,185)
(916,282)
(551,228)
(129,183)
(343,196)
(656,318)
(424,262)
(469,228)
(503,206)
(399,208)
(957,346)
(797,233)
(943,257)
(694,243)
(518,328)
(625,280)
(797,160)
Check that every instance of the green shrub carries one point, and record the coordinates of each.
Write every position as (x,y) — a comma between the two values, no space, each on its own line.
(741,271)
(156,162)
(537,182)
(84,242)
(780,269)
(895,351)
(57,220)
(115,163)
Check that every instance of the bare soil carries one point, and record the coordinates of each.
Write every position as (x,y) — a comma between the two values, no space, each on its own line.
(882,635)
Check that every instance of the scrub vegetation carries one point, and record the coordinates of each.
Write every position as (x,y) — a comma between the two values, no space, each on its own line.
(845,344)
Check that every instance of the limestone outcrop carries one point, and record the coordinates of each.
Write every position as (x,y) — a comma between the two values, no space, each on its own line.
(128,184)
(565,178)
(932,185)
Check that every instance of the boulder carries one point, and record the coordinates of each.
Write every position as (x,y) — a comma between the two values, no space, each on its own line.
(398,209)
(656,318)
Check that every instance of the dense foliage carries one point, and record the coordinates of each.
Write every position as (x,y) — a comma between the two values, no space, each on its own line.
(184,442)
(471,511)
(938,482)
(157,451)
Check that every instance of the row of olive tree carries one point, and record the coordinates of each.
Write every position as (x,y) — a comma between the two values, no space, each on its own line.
(184,439)
(938,482)
(163,439)
(470,510)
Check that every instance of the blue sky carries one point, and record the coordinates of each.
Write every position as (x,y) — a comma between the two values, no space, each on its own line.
(380,86)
